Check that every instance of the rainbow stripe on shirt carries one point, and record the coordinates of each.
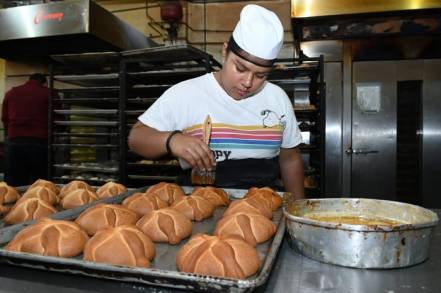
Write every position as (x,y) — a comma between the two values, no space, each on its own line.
(227,136)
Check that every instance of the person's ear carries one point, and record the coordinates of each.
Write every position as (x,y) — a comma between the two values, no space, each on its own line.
(224,52)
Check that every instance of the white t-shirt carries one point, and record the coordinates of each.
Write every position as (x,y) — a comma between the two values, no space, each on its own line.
(255,127)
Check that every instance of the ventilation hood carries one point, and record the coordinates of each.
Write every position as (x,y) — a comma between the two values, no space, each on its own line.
(72,26)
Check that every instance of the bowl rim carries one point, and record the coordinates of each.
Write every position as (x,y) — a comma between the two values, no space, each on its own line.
(358,227)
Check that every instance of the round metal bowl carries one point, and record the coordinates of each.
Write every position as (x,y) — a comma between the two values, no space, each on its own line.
(361,246)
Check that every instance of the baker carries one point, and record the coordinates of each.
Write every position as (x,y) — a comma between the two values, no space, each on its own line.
(254,138)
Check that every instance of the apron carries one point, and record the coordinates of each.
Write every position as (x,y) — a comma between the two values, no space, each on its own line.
(242,174)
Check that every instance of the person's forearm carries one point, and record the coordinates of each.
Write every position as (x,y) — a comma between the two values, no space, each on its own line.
(147,142)
(291,168)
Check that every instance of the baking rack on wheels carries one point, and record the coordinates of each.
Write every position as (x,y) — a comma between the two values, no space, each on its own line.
(85,138)
(303,81)
(96,99)
(145,75)
(163,271)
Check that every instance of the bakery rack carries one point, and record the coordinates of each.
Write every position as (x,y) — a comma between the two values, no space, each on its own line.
(95,100)
(146,74)
(303,81)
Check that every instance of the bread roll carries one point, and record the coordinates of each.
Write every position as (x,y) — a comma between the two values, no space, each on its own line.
(253,228)
(110,189)
(217,196)
(142,203)
(78,198)
(45,183)
(165,225)
(266,195)
(224,256)
(4,209)
(29,209)
(123,245)
(50,237)
(103,216)
(195,208)
(41,192)
(249,205)
(168,192)
(8,194)
(74,185)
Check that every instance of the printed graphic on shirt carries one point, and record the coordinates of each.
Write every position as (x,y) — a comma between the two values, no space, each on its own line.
(271,119)
(226,139)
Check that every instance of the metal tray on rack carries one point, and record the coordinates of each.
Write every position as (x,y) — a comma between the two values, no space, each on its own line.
(88,59)
(92,80)
(163,53)
(78,167)
(153,177)
(163,271)
(84,145)
(87,112)
(87,123)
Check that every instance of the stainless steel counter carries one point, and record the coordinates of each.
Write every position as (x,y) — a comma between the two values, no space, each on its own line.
(292,273)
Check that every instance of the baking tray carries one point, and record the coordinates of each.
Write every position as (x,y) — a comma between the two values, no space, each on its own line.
(163,272)
(85,167)
(86,123)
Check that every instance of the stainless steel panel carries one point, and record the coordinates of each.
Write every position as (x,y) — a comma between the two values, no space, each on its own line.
(347,118)
(331,50)
(373,174)
(333,145)
(409,70)
(44,20)
(431,160)
(71,26)
(110,28)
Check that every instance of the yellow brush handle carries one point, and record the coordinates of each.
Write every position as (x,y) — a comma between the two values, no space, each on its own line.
(207,129)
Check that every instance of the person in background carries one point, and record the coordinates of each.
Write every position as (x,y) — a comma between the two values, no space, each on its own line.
(255,137)
(25,119)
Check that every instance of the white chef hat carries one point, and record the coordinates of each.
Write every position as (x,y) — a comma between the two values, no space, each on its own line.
(258,36)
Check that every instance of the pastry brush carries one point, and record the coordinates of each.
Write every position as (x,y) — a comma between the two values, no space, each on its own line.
(200,177)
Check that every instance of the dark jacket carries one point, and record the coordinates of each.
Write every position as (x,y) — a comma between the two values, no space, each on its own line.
(25,111)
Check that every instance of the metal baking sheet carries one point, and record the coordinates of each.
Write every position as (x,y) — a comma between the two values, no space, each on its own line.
(163,271)
(83,145)
(163,53)
(88,59)
(87,112)
(86,123)
(90,80)
(78,167)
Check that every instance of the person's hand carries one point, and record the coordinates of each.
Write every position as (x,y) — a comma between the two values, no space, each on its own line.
(193,150)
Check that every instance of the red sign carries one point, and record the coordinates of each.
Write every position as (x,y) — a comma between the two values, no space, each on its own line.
(42,16)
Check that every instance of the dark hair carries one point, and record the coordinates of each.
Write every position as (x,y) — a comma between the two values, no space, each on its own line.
(38,77)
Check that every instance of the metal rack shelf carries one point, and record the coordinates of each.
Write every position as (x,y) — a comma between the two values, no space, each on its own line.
(90,80)
(154,178)
(177,53)
(92,134)
(87,123)
(96,61)
(86,178)
(87,112)
(77,167)
(84,145)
